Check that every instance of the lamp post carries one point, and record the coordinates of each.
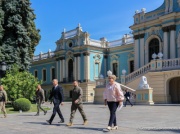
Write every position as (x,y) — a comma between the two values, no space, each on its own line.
(3,67)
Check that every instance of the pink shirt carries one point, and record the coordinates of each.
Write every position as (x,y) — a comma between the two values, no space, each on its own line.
(113,93)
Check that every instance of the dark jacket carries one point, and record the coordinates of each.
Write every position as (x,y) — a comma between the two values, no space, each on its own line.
(57,94)
(127,94)
(3,96)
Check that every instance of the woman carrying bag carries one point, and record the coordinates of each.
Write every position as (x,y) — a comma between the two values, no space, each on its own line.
(113,97)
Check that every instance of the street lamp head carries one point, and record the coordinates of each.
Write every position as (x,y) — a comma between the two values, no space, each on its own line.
(109,73)
(3,66)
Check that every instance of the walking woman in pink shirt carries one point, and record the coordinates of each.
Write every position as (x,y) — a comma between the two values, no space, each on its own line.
(113,97)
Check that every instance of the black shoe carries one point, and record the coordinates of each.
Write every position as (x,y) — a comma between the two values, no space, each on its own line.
(45,112)
(131,105)
(62,121)
(48,121)
(36,115)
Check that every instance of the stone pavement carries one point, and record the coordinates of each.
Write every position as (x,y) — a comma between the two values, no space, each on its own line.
(159,119)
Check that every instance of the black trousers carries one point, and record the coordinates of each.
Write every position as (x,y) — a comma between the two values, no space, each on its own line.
(127,100)
(112,108)
(56,109)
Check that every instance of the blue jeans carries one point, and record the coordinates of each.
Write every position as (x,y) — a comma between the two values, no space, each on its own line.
(112,108)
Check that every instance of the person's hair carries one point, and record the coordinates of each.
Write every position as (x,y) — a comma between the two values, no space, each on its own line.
(112,76)
(55,80)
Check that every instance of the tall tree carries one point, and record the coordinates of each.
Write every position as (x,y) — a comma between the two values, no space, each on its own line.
(20,34)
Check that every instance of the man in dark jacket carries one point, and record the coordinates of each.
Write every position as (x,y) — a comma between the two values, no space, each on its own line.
(58,97)
(40,99)
(77,103)
(127,95)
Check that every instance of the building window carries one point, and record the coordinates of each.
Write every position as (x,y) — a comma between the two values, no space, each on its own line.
(115,69)
(53,73)
(131,65)
(70,44)
(70,70)
(44,74)
(153,48)
(36,74)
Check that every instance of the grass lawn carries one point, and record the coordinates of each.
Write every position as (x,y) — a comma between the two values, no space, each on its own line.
(10,109)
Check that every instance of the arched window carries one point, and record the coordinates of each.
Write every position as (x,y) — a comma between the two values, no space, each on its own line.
(70,70)
(153,48)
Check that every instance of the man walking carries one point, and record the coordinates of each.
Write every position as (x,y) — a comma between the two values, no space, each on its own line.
(57,95)
(40,99)
(77,103)
(3,101)
(127,95)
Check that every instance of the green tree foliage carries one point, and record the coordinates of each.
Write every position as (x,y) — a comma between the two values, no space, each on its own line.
(19,84)
(20,35)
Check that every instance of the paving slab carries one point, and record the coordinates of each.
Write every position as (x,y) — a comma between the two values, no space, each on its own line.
(139,119)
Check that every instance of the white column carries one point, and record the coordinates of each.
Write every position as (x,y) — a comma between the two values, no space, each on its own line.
(61,71)
(63,68)
(79,68)
(172,44)
(105,66)
(85,66)
(75,71)
(88,67)
(142,52)
(136,50)
(57,70)
(165,46)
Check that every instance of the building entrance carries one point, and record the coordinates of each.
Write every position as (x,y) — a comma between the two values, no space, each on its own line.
(174,90)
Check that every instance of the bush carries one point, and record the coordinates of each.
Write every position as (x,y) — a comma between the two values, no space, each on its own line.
(22,104)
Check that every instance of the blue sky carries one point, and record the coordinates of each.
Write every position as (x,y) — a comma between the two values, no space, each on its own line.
(100,18)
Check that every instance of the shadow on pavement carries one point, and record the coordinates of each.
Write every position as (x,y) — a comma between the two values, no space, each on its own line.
(26,115)
(45,123)
(163,130)
(88,128)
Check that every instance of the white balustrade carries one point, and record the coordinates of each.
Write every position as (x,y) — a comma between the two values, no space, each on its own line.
(137,73)
(43,56)
(171,64)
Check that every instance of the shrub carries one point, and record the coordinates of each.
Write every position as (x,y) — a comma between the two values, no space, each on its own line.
(22,104)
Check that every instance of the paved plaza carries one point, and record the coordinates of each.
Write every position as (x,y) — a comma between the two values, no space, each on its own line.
(163,119)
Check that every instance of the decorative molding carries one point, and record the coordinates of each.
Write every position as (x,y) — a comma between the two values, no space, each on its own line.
(97,56)
(169,28)
(77,55)
(139,36)
(114,57)
(86,53)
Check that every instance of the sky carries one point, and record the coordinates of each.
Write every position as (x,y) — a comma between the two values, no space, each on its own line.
(100,18)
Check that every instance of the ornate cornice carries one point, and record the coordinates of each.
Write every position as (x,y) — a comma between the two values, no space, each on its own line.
(169,28)
(86,53)
(61,58)
(138,36)
(77,55)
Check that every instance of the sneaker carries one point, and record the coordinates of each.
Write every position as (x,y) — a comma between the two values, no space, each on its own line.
(48,121)
(45,112)
(62,121)
(69,124)
(114,128)
(85,122)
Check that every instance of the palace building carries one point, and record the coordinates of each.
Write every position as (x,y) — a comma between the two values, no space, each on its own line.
(153,51)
